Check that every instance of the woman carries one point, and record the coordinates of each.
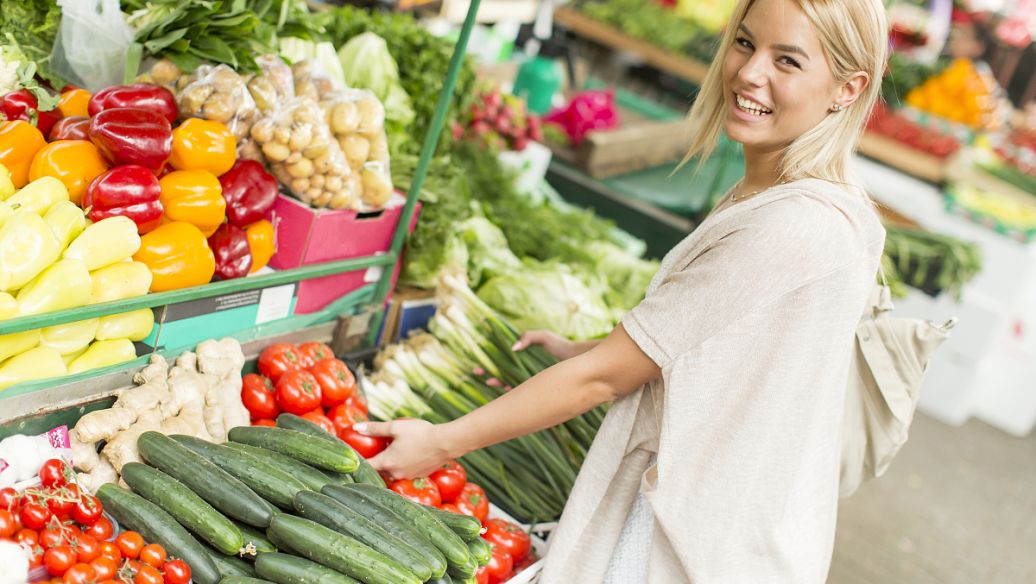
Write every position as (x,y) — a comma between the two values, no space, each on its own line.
(718,461)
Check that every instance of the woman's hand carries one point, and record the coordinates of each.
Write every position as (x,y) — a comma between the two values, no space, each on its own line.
(555,344)
(417,449)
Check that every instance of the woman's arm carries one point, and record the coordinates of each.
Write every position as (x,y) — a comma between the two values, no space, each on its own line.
(611,369)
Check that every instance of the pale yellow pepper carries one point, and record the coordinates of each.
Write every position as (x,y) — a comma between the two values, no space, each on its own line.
(8,306)
(6,212)
(118,281)
(71,336)
(73,356)
(14,343)
(38,363)
(66,220)
(27,247)
(104,243)
(104,354)
(40,195)
(135,325)
(6,183)
(65,284)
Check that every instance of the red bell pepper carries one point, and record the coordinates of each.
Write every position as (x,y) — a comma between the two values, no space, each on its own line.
(126,135)
(23,105)
(130,191)
(70,128)
(250,192)
(230,246)
(138,95)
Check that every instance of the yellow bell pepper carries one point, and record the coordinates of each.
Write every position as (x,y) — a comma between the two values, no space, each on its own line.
(262,243)
(106,242)
(68,358)
(135,325)
(118,281)
(15,343)
(6,185)
(8,306)
(67,221)
(75,102)
(200,144)
(74,162)
(27,247)
(65,284)
(178,256)
(195,197)
(19,142)
(71,336)
(104,354)
(39,195)
(38,363)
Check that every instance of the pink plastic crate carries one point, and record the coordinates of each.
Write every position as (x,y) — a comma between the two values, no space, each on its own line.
(310,236)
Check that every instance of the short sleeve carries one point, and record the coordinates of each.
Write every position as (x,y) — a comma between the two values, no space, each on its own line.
(778,247)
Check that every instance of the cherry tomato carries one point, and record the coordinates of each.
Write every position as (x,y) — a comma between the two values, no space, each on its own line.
(27,537)
(8,498)
(148,575)
(298,392)
(87,548)
(35,516)
(450,479)
(313,352)
(52,536)
(472,501)
(87,510)
(101,530)
(61,504)
(59,559)
(80,574)
(111,551)
(337,383)
(257,395)
(176,572)
(365,446)
(508,537)
(105,568)
(482,576)
(130,543)
(421,490)
(153,555)
(451,508)
(345,415)
(8,525)
(500,566)
(278,359)
(317,417)
(54,473)
(264,422)
(35,557)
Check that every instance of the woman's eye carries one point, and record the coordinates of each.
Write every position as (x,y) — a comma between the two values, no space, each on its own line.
(791,62)
(743,42)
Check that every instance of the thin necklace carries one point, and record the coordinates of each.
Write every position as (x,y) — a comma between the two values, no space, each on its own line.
(735,198)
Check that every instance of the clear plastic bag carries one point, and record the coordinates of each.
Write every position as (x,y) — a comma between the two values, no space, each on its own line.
(357,121)
(302,154)
(161,72)
(90,47)
(274,84)
(312,81)
(218,94)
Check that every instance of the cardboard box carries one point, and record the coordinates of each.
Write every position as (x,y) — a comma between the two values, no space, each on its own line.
(408,309)
(308,236)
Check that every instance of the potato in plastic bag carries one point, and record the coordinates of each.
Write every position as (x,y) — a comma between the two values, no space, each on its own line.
(275,83)
(377,184)
(219,94)
(311,81)
(302,154)
(161,72)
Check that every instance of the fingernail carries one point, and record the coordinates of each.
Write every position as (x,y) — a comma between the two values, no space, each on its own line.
(361,428)
(516,346)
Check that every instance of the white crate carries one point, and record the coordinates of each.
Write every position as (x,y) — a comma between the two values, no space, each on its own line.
(531,574)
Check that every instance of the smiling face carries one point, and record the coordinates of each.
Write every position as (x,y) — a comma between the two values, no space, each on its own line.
(776,78)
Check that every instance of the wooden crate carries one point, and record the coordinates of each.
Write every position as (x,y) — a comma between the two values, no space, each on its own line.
(634,146)
(902,157)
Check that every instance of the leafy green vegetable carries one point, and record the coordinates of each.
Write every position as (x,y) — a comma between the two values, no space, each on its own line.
(905,74)
(294,49)
(651,22)
(626,278)
(30,26)
(930,262)
(367,64)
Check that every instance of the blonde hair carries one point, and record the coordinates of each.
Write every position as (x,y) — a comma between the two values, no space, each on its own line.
(854,37)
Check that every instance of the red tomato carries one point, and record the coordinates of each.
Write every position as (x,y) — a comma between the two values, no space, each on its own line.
(105,568)
(482,576)
(278,359)
(111,551)
(8,525)
(258,397)
(356,401)
(508,537)
(148,575)
(61,504)
(80,574)
(59,559)
(87,548)
(88,510)
(450,479)
(337,383)
(451,508)
(176,572)
(8,498)
(34,516)
(153,555)
(365,446)
(130,543)
(421,490)
(52,536)
(472,501)
(313,352)
(264,422)
(54,473)
(101,530)
(345,415)
(27,537)
(298,392)
(317,417)
(500,566)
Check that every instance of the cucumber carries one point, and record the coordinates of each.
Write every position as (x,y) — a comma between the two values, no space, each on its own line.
(465,570)
(481,551)
(364,474)
(444,580)
(391,523)
(448,542)
(311,477)
(256,539)
(337,551)
(229,565)
(219,488)
(330,513)
(243,580)
(285,569)
(137,513)
(272,484)
(467,527)
(309,449)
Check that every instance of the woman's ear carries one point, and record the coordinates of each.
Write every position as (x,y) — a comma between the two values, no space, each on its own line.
(850,91)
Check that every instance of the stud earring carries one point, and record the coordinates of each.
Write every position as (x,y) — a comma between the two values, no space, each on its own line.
(837,107)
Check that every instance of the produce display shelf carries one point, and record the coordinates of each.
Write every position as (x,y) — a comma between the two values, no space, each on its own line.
(901,157)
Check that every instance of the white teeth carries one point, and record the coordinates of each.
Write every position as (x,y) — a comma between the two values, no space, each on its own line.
(751,106)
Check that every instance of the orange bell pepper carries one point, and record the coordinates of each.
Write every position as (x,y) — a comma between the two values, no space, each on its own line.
(74,102)
(261,243)
(177,255)
(203,145)
(19,142)
(195,197)
(76,163)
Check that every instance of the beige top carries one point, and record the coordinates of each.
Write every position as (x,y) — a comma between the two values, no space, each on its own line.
(751,320)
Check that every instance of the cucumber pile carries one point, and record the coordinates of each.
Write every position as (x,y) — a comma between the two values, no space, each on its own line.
(287,505)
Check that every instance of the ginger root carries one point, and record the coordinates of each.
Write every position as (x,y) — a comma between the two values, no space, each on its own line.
(102,473)
(103,424)
(84,454)
(123,448)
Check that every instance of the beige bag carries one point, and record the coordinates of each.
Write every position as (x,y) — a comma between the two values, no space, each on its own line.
(889,359)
